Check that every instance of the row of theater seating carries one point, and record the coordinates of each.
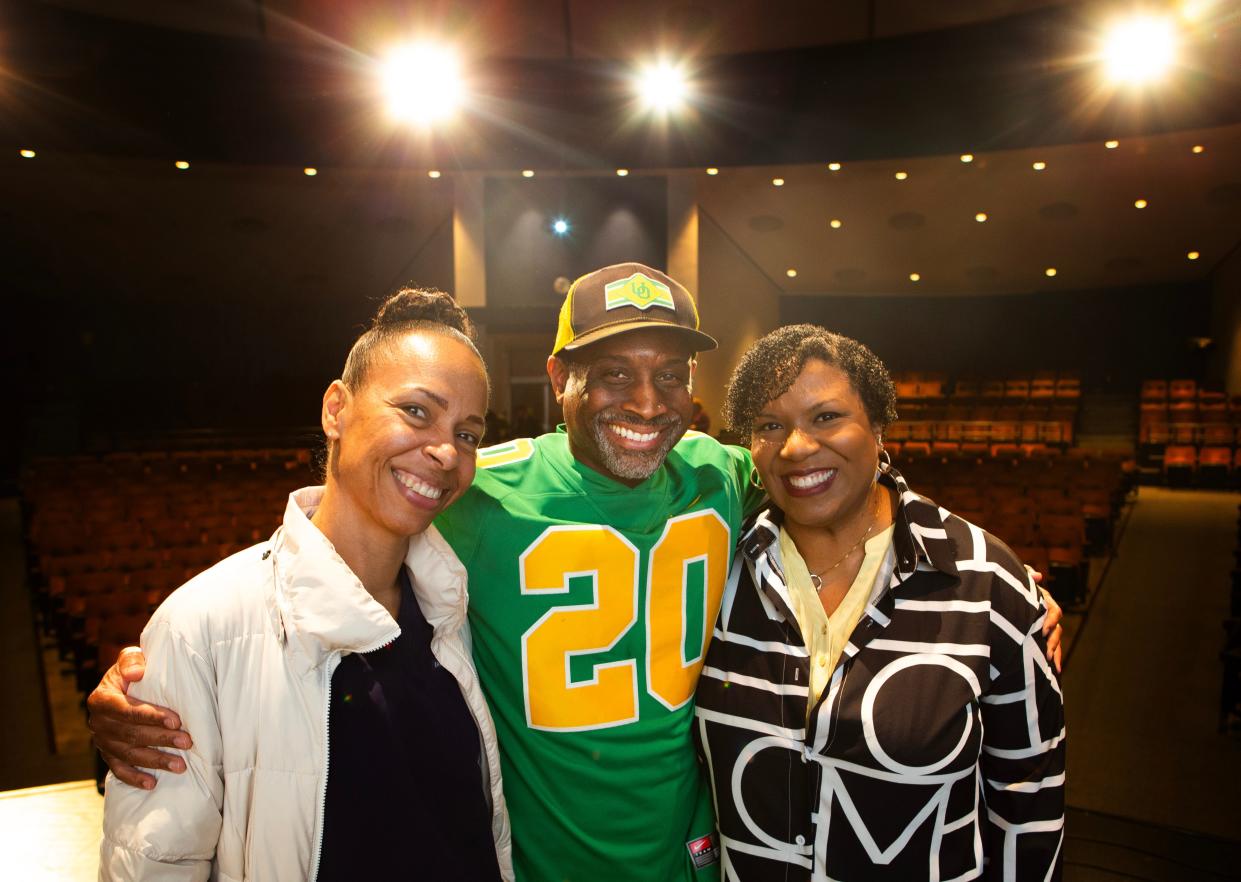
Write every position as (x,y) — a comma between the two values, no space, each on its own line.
(1054,512)
(1192,434)
(1040,386)
(110,537)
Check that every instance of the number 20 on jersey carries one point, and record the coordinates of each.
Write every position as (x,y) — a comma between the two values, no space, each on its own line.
(601,553)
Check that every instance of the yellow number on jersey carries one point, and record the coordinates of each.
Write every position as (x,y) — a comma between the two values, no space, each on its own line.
(611,697)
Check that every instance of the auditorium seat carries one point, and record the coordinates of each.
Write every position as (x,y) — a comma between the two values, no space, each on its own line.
(1179,464)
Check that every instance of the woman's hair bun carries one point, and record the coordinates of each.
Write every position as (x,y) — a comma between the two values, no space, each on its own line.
(423,305)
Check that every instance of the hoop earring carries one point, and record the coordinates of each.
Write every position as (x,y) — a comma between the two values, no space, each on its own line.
(885,458)
(755,481)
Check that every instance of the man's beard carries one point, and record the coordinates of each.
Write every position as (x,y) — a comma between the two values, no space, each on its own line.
(629,464)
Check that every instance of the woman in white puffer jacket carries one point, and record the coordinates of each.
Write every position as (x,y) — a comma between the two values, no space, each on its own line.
(344,638)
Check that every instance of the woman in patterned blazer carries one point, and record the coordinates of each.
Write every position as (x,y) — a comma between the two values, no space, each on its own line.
(876,703)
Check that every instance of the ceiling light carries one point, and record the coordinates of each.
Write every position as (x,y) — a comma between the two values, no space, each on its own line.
(422,83)
(713,171)
(310,171)
(967,157)
(791,273)
(914,277)
(1039,165)
(900,176)
(622,172)
(1111,145)
(981,217)
(777,182)
(560,226)
(1197,148)
(833,166)
(433,173)
(527,172)
(1139,50)
(662,86)
(181,164)
(836,223)
(1139,203)
(1049,272)
(1193,255)
(27,154)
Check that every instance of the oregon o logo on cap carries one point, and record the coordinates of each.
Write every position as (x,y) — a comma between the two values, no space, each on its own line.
(639,290)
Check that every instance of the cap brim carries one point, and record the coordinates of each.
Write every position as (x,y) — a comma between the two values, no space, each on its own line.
(698,341)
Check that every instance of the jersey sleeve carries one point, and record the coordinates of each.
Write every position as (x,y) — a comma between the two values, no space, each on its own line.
(752,493)
(461,524)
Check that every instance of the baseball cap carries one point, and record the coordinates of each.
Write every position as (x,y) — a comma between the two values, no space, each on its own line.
(626,297)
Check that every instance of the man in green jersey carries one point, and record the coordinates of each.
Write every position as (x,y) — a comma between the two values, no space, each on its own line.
(597,557)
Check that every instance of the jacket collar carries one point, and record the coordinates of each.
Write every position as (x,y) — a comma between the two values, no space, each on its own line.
(916,520)
(321,603)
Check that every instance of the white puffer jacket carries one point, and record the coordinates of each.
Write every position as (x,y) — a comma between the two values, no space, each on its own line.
(244,653)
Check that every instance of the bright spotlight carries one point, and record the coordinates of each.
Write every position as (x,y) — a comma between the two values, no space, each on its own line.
(422,83)
(560,227)
(662,86)
(1139,50)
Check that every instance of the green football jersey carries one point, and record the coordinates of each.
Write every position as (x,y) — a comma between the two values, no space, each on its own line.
(591,604)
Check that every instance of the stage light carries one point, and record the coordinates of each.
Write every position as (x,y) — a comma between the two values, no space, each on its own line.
(1039,165)
(181,164)
(1111,145)
(560,227)
(433,174)
(662,86)
(1193,255)
(900,176)
(1049,272)
(981,217)
(422,83)
(777,182)
(967,157)
(915,277)
(713,171)
(309,171)
(27,154)
(833,166)
(1197,148)
(791,273)
(527,172)
(1139,203)
(1139,50)
(622,172)
(836,223)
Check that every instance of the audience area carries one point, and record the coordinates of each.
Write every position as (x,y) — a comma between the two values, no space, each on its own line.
(1189,433)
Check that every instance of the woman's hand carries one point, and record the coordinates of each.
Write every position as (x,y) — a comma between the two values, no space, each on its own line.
(1052,628)
(126,731)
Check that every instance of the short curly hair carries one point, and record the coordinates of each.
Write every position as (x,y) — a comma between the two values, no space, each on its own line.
(771,366)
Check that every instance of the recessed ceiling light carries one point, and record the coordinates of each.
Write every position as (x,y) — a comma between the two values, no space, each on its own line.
(1193,255)
(791,273)
(1139,203)
(1039,165)
(713,171)
(836,223)
(433,173)
(914,277)
(1049,272)
(1111,145)
(900,176)
(777,182)
(1197,148)
(833,166)
(527,172)
(310,171)
(967,157)
(27,153)
(981,217)
(622,172)
(181,164)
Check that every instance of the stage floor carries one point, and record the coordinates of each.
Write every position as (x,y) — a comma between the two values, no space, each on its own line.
(51,834)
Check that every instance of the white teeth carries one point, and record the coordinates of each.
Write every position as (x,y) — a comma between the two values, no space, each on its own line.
(420,487)
(631,434)
(801,482)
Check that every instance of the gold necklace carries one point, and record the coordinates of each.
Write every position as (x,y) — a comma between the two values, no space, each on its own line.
(816,579)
